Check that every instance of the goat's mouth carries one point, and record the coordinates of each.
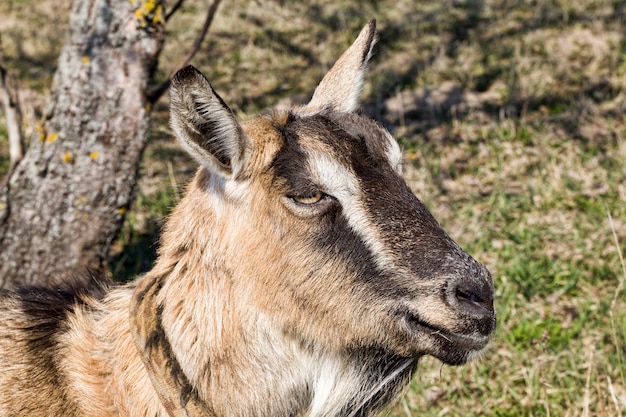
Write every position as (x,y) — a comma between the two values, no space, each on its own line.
(453,348)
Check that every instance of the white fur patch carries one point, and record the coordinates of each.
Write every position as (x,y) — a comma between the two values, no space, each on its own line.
(342,184)
(324,387)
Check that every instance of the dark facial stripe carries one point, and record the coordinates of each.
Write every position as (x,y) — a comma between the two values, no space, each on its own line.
(290,166)
(290,162)
(402,221)
(405,224)
(335,235)
(340,240)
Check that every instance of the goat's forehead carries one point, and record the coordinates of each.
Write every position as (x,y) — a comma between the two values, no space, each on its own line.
(343,137)
(347,134)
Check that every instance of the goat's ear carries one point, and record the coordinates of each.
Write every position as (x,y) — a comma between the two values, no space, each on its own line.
(341,86)
(204,124)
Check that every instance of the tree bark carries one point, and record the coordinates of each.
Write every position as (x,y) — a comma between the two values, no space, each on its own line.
(11,106)
(62,205)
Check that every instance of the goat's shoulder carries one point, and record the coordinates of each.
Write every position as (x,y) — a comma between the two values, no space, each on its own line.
(33,321)
(41,310)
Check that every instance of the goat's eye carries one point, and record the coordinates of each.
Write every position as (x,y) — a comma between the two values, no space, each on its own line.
(311,198)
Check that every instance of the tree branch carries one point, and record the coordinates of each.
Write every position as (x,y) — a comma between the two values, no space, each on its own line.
(174,9)
(10,104)
(157,92)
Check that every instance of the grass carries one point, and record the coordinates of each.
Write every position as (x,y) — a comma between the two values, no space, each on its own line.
(512,118)
(535,208)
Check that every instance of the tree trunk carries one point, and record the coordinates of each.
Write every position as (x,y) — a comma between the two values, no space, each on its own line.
(12,112)
(63,204)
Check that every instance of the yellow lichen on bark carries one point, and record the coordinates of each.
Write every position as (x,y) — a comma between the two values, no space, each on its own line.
(148,12)
(40,132)
(68,157)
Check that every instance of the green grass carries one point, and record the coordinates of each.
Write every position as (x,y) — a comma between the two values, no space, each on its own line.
(535,208)
(524,169)
(134,251)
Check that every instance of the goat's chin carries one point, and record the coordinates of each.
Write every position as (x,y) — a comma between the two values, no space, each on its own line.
(449,347)
(455,354)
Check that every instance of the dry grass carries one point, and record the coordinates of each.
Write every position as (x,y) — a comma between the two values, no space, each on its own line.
(512,117)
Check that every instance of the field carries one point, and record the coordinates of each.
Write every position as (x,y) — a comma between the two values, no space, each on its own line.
(512,117)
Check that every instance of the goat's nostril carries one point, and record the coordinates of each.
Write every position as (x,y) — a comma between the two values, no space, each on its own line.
(475,297)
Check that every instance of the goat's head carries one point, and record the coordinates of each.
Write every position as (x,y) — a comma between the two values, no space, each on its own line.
(317,230)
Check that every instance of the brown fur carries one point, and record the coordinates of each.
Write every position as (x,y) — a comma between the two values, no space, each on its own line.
(298,276)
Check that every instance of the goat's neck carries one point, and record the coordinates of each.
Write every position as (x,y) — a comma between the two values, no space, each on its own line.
(242,364)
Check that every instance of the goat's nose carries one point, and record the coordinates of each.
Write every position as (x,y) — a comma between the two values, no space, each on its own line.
(474,293)
(475,300)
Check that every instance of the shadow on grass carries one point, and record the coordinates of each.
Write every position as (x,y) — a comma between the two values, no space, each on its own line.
(138,255)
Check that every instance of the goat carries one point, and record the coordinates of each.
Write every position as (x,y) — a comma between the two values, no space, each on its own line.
(299,276)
